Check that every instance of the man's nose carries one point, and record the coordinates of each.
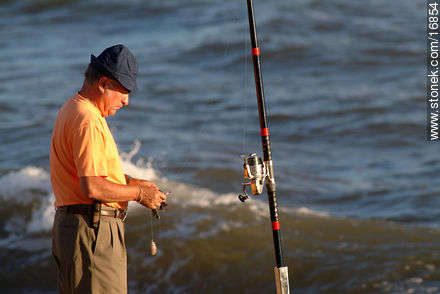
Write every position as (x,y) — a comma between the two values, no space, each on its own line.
(125,100)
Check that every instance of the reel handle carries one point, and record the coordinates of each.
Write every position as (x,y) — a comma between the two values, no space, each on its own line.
(243,198)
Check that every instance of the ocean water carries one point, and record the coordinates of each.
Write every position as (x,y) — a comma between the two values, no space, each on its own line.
(357,182)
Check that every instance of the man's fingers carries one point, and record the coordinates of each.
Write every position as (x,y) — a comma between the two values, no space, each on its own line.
(161,196)
(152,197)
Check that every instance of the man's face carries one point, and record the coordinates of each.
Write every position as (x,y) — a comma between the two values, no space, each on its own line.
(114,96)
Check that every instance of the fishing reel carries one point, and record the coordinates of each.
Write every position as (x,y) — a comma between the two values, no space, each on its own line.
(255,170)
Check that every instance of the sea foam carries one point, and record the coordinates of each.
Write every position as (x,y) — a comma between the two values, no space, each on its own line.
(31,186)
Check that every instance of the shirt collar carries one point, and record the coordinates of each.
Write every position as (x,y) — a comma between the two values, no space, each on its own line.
(87,101)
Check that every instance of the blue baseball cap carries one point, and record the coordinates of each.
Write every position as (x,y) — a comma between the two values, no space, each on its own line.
(119,63)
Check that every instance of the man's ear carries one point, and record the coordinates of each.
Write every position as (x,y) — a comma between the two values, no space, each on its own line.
(103,83)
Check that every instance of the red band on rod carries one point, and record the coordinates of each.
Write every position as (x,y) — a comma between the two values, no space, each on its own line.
(255,51)
(275,226)
(265,132)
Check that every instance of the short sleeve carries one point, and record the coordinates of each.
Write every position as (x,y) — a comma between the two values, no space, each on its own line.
(88,146)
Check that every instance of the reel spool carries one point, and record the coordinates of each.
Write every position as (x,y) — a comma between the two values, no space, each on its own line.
(254,169)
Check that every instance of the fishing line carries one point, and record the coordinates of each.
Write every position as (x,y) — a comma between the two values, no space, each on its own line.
(204,129)
(153,247)
(151,226)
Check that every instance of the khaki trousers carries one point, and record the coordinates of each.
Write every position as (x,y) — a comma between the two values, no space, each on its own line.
(89,261)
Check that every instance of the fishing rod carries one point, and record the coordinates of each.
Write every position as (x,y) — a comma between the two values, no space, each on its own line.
(257,170)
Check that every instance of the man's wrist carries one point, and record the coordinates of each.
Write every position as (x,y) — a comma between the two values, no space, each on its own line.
(139,196)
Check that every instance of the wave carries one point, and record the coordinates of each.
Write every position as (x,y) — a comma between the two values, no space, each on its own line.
(30,189)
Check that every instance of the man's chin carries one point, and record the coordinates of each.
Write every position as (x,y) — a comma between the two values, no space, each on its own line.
(112,112)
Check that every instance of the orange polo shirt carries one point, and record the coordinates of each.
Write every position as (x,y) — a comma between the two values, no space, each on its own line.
(82,145)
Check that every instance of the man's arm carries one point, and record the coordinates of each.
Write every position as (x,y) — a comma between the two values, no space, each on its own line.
(132,181)
(100,189)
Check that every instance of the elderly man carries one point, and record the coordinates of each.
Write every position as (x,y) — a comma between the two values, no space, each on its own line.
(90,188)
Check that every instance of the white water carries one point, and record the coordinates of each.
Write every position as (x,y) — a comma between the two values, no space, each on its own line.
(31,186)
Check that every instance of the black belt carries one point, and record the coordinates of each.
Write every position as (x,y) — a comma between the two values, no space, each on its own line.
(86,209)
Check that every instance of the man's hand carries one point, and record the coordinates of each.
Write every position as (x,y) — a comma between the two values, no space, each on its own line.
(150,196)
